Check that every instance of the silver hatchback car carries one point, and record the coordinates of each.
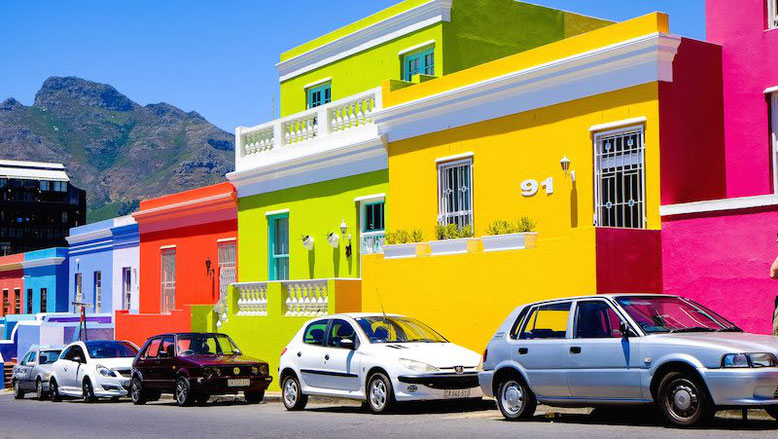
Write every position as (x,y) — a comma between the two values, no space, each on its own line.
(32,373)
(628,349)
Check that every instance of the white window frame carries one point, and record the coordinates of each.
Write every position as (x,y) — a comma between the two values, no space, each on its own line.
(598,168)
(461,217)
(370,237)
(772,14)
(774,137)
(78,281)
(97,277)
(167,280)
(126,287)
(227,268)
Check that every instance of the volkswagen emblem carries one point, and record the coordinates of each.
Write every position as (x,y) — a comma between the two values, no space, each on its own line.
(236,371)
(459,370)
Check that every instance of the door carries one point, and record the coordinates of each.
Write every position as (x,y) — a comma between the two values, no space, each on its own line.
(601,363)
(541,349)
(22,373)
(166,365)
(278,247)
(68,377)
(341,362)
(148,365)
(311,352)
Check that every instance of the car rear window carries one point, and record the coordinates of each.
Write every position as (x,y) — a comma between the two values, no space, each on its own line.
(547,322)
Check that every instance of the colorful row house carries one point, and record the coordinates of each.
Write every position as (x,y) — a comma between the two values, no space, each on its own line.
(718,244)
(312,186)
(188,250)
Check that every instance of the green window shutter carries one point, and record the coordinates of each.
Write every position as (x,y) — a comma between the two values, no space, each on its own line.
(319,95)
(422,62)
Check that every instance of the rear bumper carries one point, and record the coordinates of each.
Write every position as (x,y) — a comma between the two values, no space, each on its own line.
(485,380)
(220,386)
(743,387)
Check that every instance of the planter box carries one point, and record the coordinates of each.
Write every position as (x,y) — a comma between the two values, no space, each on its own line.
(397,251)
(512,241)
(454,246)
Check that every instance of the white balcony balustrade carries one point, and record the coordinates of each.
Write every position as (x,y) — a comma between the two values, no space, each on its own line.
(335,124)
(306,298)
(252,298)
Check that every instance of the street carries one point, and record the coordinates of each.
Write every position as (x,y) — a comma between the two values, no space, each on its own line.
(228,418)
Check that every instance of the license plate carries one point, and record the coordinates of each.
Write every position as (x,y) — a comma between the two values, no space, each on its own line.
(456,393)
(242,382)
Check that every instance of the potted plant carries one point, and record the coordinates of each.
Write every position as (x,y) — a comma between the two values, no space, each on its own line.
(506,235)
(452,239)
(401,243)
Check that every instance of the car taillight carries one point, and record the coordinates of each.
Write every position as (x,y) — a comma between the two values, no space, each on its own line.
(283,352)
(486,353)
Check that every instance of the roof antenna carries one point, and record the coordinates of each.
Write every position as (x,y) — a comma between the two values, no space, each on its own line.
(380,302)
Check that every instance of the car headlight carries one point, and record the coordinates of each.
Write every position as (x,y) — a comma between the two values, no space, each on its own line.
(759,359)
(417,366)
(254,370)
(104,371)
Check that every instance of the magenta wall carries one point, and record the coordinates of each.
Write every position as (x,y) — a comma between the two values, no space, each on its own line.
(723,262)
(749,66)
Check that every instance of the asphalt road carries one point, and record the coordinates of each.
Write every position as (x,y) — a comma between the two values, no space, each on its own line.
(327,419)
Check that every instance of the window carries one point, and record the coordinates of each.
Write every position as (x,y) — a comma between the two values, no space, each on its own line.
(455,193)
(547,322)
(167,346)
(772,14)
(227,269)
(6,304)
(79,291)
(29,301)
(519,323)
(619,175)
(596,319)
(774,136)
(340,330)
(45,185)
(44,302)
(64,217)
(17,301)
(319,95)
(168,281)
(372,227)
(153,348)
(419,63)
(98,286)
(75,353)
(126,287)
(278,242)
(314,333)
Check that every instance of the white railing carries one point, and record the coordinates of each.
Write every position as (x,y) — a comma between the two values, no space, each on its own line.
(252,299)
(338,116)
(306,298)
(372,242)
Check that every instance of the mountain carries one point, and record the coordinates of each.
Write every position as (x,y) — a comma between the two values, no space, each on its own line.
(119,151)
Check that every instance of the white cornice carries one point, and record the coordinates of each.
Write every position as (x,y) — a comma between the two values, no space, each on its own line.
(427,14)
(638,61)
(618,124)
(719,205)
(43,262)
(373,197)
(89,236)
(184,204)
(353,152)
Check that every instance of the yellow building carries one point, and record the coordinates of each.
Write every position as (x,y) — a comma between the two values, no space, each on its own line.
(571,135)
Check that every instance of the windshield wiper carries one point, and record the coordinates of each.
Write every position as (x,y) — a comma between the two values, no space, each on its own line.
(692,329)
(421,340)
(730,329)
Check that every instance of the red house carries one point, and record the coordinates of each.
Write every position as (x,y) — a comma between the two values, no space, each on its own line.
(11,284)
(188,254)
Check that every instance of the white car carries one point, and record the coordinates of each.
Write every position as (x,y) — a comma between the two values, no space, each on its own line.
(376,358)
(93,369)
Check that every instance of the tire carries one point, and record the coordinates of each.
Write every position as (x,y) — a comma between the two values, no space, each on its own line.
(683,400)
(202,399)
(183,392)
(137,394)
(39,393)
(87,391)
(515,400)
(772,410)
(380,395)
(153,395)
(18,392)
(254,397)
(292,395)
(54,391)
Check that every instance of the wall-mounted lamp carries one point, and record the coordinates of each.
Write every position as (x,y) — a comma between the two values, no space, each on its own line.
(346,236)
(208,269)
(565,163)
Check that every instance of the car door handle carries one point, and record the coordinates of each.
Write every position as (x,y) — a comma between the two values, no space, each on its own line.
(575,350)
(523,351)
(327,357)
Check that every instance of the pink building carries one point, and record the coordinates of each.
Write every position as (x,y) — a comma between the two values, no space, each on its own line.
(718,249)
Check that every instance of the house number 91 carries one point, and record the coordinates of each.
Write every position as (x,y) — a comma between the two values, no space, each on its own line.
(530,187)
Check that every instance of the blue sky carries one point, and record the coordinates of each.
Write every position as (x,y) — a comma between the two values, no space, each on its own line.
(213,57)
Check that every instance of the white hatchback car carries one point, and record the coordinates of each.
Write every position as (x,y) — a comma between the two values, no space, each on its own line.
(376,358)
(93,369)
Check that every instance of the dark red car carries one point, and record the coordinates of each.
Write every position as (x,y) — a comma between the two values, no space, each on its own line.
(195,366)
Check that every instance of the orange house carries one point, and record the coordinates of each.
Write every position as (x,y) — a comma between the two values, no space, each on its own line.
(188,256)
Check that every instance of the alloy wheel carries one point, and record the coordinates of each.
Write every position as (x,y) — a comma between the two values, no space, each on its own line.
(290,392)
(39,390)
(378,394)
(182,392)
(87,392)
(18,394)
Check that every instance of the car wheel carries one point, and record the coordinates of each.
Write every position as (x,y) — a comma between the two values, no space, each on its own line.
(39,393)
(183,392)
(380,396)
(515,400)
(18,392)
(87,392)
(292,394)
(137,394)
(772,410)
(683,400)
(54,391)
(254,397)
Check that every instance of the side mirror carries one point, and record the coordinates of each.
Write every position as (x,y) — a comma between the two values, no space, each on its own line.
(79,360)
(348,343)
(625,330)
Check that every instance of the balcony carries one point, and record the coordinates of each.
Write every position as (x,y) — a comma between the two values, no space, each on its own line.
(337,131)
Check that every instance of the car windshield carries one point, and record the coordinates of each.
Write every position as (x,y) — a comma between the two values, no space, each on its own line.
(48,357)
(673,314)
(380,329)
(110,349)
(206,344)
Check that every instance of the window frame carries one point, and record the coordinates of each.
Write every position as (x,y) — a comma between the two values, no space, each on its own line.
(323,88)
(420,56)
(373,235)
(597,137)
(126,287)
(17,301)
(613,308)
(167,285)
(772,14)
(326,323)
(773,116)
(97,286)
(227,268)
(524,324)
(273,257)
(443,213)
(328,334)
